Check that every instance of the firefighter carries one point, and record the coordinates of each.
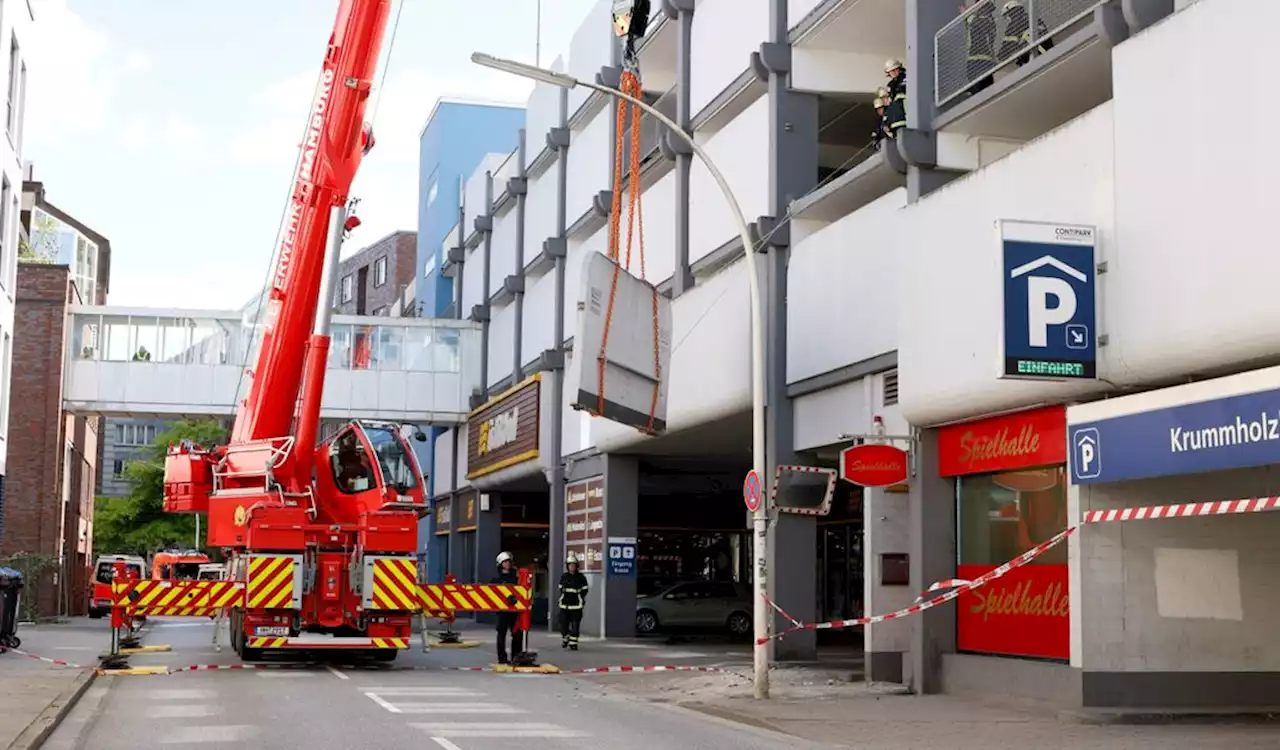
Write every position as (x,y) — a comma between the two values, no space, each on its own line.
(1017,33)
(507,621)
(880,133)
(897,74)
(980,45)
(573,598)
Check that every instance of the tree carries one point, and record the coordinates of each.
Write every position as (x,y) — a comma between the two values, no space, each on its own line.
(43,246)
(138,523)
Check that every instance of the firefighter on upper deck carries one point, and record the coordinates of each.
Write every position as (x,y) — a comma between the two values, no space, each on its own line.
(573,598)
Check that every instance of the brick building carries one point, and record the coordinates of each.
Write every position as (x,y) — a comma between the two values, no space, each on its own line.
(53,458)
(371,281)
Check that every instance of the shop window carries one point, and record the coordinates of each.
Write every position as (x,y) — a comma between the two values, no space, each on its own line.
(1003,515)
(999,517)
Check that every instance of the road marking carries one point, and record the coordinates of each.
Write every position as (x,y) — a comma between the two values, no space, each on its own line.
(496,729)
(180,711)
(446,744)
(684,655)
(441,692)
(374,697)
(283,674)
(337,672)
(455,708)
(180,695)
(211,733)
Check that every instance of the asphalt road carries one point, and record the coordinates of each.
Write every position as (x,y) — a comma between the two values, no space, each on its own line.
(343,708)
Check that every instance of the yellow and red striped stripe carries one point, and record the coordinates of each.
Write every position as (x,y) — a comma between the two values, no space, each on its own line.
(395,584)
(270,584)
(176,598)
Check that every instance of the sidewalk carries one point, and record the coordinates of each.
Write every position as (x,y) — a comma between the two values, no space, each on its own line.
(823,706)
(34,694)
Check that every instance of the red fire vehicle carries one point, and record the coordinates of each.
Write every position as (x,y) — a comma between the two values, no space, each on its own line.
(323,536)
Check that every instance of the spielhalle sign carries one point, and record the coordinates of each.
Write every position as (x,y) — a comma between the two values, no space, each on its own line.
(504,432)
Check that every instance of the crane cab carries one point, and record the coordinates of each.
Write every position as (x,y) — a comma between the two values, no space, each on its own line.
(368,467)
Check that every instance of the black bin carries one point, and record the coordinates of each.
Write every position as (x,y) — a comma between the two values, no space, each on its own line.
(10,592)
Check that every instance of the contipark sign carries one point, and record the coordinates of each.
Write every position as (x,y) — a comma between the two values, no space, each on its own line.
(1049,285)
(1228,433)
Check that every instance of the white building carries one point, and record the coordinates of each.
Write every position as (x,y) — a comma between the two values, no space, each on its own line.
(15,21)
(884,299)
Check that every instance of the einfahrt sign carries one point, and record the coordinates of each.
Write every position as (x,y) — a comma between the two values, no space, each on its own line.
(873,465)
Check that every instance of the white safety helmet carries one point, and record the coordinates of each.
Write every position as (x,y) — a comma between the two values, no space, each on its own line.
(571,559)
(892,64)
(1009,6)
(503,557)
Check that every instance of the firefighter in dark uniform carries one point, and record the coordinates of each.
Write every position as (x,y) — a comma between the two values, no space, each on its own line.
(980,46)
(895,103)
(880,133)
(507,621)
(1017,33)
(573,598)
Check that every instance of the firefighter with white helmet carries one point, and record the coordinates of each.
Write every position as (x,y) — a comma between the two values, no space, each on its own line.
(573,599)
(507,621)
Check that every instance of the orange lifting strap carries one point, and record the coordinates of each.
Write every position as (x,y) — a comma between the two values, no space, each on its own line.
(630,85)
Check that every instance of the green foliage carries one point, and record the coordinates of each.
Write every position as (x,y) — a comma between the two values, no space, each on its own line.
(36,572)
(137,523)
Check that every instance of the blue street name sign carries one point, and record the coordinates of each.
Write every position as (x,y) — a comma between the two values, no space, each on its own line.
(1049,281)
(1228,433)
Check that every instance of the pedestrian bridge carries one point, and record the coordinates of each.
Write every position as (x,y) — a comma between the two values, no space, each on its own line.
(172,364)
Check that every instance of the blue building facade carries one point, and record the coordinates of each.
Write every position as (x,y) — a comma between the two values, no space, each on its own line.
(457,136)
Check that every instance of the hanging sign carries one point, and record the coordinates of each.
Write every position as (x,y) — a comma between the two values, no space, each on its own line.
(873,465)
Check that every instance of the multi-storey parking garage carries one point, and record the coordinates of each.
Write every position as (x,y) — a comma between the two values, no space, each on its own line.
(893,290)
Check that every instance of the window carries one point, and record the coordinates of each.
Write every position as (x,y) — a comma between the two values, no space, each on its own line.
(432,192)
(398,471)
(117,467)
(6,367)
(15,81)
(380,271)
(1003,515)
(352,471)
(6,192)
(429,266)
(135,434)
(346,289)
(22,108)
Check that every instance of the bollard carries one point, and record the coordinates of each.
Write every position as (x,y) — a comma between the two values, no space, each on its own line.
(524,621)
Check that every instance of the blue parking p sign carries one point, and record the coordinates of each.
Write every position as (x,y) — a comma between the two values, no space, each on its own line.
(1049,284)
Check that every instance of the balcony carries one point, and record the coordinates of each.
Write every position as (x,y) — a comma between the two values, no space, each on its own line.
(1019,75)
(174,363)
(839,46)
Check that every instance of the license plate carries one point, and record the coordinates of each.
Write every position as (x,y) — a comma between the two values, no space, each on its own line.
(270,630)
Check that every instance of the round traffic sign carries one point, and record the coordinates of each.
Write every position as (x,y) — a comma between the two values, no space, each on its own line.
(751,491)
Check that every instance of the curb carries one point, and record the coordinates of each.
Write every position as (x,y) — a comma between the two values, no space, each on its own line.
(43,725)
(1170,716)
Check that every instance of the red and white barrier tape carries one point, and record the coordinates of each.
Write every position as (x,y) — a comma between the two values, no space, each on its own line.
(628,669)
(959,586)
(47,660)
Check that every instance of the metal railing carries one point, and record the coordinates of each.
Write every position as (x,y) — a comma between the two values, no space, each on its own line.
(996,34)
(171,337)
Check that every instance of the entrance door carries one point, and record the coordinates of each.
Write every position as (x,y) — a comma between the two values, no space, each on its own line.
(840,571)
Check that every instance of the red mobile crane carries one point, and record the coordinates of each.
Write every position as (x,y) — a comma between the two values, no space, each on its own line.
(323,537)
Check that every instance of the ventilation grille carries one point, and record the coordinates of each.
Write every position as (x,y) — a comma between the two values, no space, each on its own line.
(891,387)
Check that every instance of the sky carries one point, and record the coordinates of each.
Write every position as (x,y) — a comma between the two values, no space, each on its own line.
(171,126)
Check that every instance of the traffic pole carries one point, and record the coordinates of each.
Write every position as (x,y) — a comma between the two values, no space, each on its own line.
(752,497)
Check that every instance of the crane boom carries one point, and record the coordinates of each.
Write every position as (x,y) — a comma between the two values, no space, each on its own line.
(331,151)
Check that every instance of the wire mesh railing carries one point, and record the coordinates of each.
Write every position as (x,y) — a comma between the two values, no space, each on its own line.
(991,35)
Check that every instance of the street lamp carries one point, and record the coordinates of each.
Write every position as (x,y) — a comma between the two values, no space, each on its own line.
(759,517)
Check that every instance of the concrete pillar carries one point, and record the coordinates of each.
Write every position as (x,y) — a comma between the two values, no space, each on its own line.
(555,472)
(793,171)
(933,558)
(886,541)
(682,278)
(924,19)
(621,514)
(488,538)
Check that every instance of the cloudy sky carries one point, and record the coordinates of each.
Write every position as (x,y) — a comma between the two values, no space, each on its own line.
(171,126)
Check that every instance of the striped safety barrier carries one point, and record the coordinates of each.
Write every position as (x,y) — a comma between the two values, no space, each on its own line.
(474,597)
(175,598)
(959,586)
